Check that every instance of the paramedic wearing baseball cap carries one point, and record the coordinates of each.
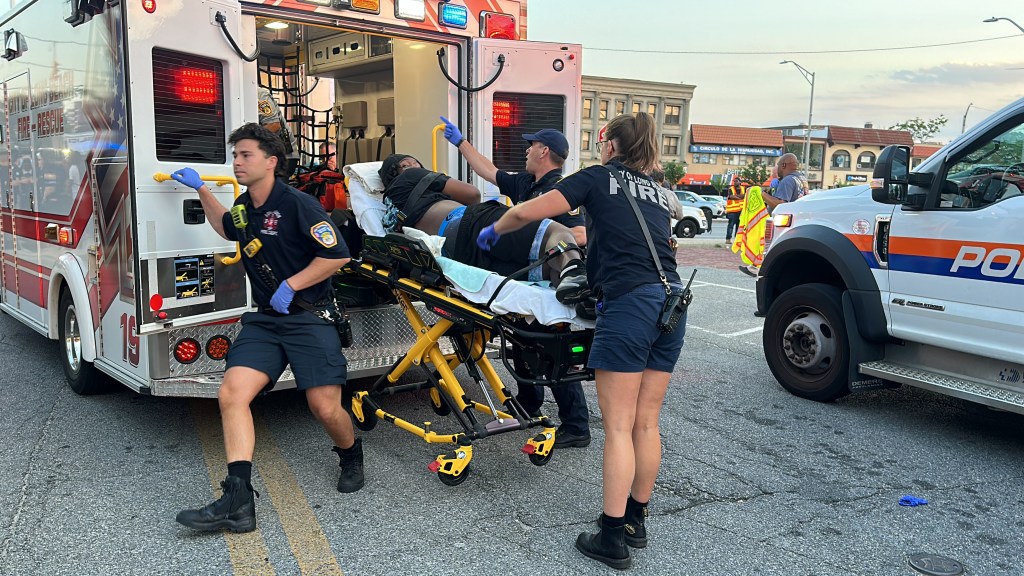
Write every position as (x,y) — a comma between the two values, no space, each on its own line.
(544,160)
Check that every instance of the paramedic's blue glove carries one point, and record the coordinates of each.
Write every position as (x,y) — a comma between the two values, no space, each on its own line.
(282,299)
(451,132)
(488,238)
(188,177)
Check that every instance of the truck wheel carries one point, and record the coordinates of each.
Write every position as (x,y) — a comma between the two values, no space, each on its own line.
(686,228)
(805,342)
(82,376)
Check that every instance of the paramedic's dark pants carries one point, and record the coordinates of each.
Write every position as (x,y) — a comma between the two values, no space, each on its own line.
(733,225)
(572,405)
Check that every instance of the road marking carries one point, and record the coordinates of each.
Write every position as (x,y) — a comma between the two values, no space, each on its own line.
(248,551)
(305,536)
(742,332)
(698,284)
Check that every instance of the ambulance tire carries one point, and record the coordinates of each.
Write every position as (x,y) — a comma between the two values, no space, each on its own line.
(686,228)
(805,342)
(82,376)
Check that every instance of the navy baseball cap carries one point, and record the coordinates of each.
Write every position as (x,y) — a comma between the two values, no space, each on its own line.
(552,139)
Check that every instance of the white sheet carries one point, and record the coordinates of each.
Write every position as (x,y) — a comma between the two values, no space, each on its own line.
(366,196)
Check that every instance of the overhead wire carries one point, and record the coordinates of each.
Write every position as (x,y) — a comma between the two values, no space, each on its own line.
(785,52)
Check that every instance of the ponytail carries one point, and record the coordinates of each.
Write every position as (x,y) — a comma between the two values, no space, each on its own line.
(635,140)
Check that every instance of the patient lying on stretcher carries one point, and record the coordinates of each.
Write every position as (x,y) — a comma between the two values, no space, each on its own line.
(438,205)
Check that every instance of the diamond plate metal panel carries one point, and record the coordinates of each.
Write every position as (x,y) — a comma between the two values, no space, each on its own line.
(960,387)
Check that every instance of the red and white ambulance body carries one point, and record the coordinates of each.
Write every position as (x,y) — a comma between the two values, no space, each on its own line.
(101,95)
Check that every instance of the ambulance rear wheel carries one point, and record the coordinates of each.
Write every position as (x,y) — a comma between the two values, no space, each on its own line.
(805,342)
(82,376)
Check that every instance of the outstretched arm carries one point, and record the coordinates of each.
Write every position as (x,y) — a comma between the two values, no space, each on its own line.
(477,161)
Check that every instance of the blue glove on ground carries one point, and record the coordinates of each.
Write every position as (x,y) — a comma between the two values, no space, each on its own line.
(451,132)
(488,238)
(188,177)
(282,298)
(909,500)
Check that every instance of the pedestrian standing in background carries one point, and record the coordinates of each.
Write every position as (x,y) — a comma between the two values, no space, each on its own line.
(632,357)
(733,207)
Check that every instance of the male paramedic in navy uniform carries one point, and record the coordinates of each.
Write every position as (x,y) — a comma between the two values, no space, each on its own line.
(545,157)
(303,250)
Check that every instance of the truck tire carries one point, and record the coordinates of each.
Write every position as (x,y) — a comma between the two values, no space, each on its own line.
(82,376)
(686,228)
(805,342)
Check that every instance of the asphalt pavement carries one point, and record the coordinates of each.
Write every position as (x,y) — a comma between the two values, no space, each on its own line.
(753,480)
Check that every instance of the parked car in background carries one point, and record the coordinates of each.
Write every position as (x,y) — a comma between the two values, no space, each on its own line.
(692,223)
(711,209)
(714,198)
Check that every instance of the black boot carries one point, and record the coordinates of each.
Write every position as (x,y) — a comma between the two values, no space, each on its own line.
(608,545)
(572,284)
(351,467)
(636,532)
(636,514)
(235,510)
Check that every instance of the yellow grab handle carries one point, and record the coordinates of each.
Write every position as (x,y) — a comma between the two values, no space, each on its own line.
(220,181)
(433,144)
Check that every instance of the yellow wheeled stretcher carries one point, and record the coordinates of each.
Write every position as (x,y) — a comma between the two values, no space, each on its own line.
(534,354)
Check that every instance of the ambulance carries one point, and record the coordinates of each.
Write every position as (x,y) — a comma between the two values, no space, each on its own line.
(103,96)
(917,279)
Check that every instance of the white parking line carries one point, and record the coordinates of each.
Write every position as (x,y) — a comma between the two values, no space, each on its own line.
(703,284)
(742,332)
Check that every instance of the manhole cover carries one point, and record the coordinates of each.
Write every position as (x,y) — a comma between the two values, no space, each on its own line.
(935,565)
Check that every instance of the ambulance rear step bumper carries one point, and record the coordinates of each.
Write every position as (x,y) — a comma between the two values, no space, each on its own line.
(987,393)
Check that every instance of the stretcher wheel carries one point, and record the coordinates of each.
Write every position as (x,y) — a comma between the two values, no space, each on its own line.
(449,480)
(538,460)
(439,406)
(369,421)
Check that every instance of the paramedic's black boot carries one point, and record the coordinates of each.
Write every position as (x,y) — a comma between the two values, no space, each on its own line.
(636,532)
(608,545)
(572,284)
(235,510)
(351,478)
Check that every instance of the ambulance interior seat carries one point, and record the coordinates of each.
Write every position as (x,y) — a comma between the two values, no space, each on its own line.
(354,147)
(386,119)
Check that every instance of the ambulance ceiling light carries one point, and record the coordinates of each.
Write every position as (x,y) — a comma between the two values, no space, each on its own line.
(411,9)
(453,15)
(276,25)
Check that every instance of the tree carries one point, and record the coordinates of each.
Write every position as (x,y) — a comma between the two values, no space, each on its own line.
(755,173)
(922,130)
(674,171)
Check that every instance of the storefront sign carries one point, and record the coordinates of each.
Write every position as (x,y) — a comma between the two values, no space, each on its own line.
(715,149)
(856,178)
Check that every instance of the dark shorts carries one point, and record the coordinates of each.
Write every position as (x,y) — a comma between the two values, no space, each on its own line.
(307,343)
(626,337)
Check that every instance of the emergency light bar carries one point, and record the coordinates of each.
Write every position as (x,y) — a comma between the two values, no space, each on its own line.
(411,9)
(453,15)
(497,25)
(371,6)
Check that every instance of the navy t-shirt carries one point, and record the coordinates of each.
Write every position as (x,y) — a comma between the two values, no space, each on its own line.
(402,186)
(294,229)
(521,186)
(618,258)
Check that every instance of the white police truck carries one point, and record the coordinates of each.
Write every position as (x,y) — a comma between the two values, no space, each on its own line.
(917,279)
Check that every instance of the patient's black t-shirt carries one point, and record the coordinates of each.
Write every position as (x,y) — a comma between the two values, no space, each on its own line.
(400,189)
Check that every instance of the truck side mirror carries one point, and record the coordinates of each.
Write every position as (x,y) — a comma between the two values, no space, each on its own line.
(889,180)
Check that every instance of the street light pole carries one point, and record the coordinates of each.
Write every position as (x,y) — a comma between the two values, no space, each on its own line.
(963,126)
(995,19)
(809,77)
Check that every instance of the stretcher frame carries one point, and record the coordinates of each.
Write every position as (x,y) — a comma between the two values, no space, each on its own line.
(549,356)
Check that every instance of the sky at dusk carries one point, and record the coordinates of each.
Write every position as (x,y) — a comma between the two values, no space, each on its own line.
(731,49)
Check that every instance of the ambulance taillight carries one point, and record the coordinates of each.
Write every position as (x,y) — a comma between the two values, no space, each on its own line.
(217,347)
(186,350)
(498,25)
(197,86)
(502,113)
